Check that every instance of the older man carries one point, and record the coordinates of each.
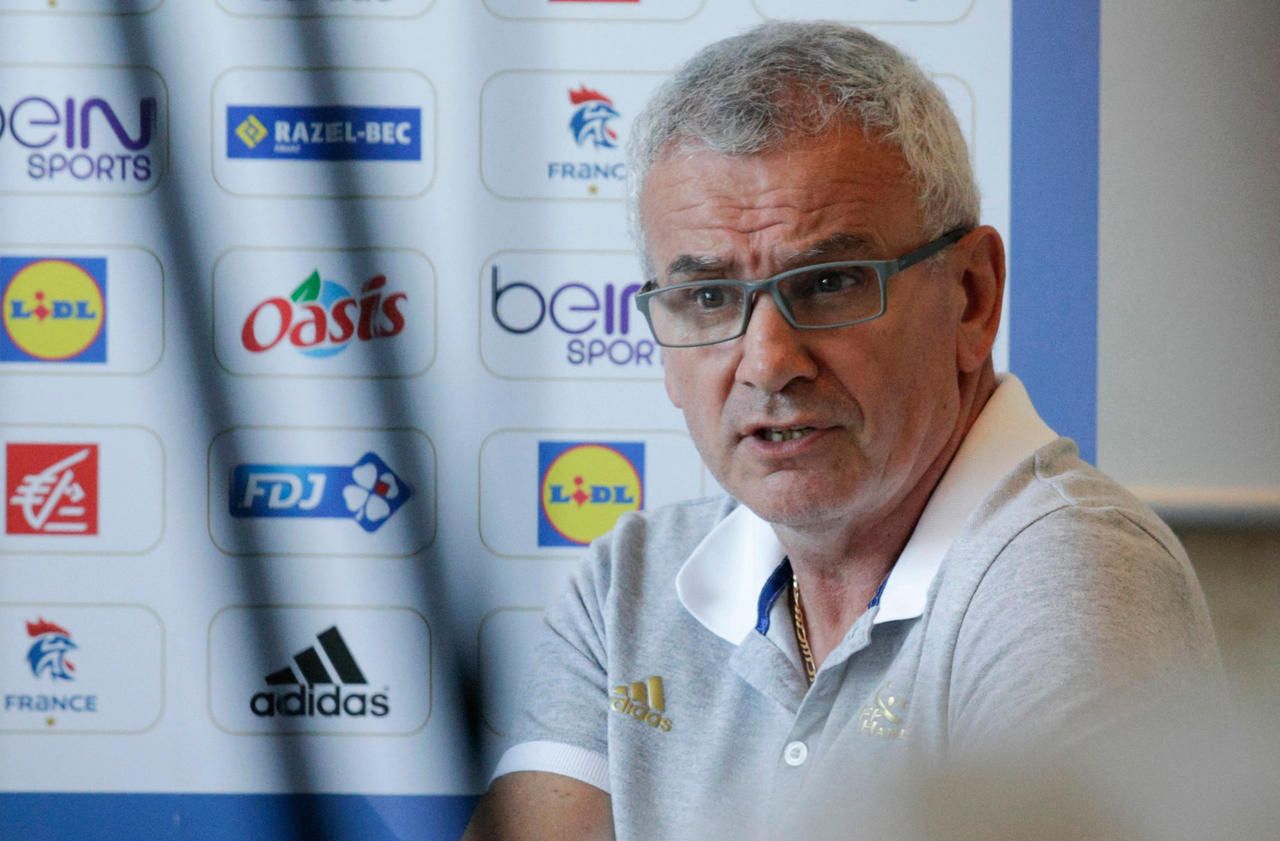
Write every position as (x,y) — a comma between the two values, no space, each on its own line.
(909,559)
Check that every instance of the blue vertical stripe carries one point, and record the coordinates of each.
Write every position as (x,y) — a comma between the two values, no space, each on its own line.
(1053,318)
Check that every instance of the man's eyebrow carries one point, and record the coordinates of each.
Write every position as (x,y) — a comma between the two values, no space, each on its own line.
(687,264)
(843,246)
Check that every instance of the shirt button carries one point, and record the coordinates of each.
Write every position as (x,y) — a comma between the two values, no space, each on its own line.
(795,754)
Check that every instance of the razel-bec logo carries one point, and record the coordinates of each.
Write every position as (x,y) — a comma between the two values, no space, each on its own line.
(51,489)
(368,492)
(584,487)
(322,318)
(572,315)
(53,309)
(69,129)
(324,133)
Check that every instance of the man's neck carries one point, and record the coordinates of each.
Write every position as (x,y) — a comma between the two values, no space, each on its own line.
(839,569)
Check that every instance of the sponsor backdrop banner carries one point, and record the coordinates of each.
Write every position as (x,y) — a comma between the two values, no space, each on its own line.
(320,367)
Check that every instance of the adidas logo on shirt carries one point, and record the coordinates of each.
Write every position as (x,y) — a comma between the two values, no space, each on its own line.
(310,695)
(644,701)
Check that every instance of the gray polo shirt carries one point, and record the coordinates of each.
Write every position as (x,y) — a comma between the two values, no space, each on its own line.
(1032,594)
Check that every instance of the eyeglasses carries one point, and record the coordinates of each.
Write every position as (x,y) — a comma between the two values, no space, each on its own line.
(704,312)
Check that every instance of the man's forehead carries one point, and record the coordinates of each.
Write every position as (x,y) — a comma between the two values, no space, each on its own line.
(834,194)
(843,245)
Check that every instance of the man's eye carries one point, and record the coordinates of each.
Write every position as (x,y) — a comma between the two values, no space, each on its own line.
(838,281)
(710,297)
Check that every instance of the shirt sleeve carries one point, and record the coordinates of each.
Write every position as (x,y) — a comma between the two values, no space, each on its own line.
(562,725)
(1087,619)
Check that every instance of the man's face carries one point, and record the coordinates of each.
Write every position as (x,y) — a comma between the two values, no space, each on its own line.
(863,410)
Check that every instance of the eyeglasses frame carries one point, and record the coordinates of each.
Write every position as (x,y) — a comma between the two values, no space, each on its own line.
(884,269)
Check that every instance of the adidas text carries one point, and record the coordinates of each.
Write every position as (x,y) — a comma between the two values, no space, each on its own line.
(309,702)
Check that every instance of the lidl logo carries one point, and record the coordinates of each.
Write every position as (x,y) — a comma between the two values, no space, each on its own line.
(51,489)
(53,309)
(368,492)
(321,318)
(584,487)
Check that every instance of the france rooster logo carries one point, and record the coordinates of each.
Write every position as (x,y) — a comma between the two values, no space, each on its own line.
(590,122)
(49,651)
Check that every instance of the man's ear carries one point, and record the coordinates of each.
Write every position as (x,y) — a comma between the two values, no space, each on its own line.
(979,259)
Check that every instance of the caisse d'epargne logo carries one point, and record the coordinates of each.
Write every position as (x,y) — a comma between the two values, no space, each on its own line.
(51,489)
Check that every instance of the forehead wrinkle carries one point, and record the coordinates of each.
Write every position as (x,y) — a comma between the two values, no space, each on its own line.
(837,246)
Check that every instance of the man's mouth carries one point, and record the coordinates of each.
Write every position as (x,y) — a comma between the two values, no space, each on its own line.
(789,433)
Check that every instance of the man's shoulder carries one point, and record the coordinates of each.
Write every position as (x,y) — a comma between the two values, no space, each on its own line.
(1061,543)
(1055,495)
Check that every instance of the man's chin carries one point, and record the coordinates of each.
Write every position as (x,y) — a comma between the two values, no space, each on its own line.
(794,505)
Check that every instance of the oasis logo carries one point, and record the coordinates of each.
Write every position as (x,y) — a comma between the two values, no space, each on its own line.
(53,309)
(48,658)
(596,321)
(318,683)
(83,139)
(584,487)
(324,133)
(590,126)
(368,491)
(321,317)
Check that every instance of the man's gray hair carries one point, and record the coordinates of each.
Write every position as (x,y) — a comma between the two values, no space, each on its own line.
(752,92)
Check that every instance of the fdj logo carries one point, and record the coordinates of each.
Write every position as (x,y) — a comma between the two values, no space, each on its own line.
(53,310)
(589,125)
(368,491)
(321,318)
(585,487)
(598,323)
(47,125)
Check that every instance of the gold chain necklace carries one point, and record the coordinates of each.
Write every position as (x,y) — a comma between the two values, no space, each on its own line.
(802,638)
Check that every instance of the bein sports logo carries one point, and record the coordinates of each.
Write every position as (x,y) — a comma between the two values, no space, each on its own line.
(42,124)
(368,492)
(53,309)
(48,652)
(594,319)
(321,317)
(584,487)
(51,489)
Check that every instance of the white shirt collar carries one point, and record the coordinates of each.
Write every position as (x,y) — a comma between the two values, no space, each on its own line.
(721,581)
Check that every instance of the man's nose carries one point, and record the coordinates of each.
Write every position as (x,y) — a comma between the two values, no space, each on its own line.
(773,352)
